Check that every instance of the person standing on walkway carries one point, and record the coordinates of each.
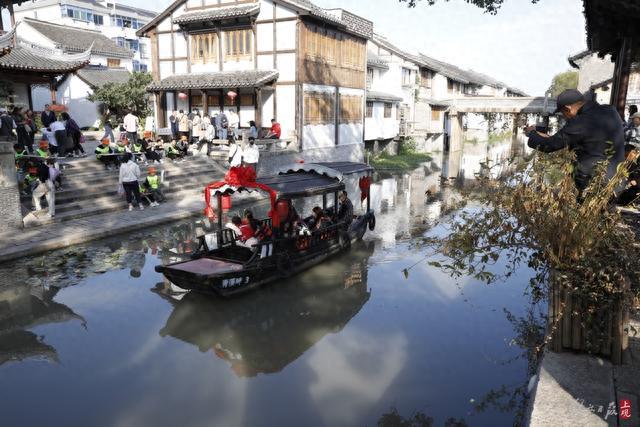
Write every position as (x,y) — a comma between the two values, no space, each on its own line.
(593,131)
(183,124)
(221,126)
(173,124)
(234,122)
(47,116)
(251,155)
(131,125)
(235,152)
(21,129)
(74,132)
(129,179)
(196,127)
(108,127)
(632,135)
(7,126)
(45,187)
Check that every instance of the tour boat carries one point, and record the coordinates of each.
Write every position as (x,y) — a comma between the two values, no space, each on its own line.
(224,266)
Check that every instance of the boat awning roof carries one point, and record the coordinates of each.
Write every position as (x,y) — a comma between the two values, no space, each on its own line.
(215,80)
(292,185)
(329,169)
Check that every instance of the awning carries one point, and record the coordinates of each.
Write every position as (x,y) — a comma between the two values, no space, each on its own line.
(382,97)
(218,14)
(375,61)
(31,59)
(335,170)
(216,80)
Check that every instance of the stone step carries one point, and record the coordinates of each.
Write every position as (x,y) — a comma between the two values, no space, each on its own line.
(101,171)
(203,174)
(109,206)
(111,192)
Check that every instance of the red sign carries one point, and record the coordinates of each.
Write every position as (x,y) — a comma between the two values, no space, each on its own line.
(625,409)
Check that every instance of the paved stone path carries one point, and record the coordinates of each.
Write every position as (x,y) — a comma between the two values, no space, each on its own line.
(20,243)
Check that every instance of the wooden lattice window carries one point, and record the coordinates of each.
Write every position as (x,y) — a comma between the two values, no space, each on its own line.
(318,108)
(388,108)
(435,115)
(113,63)
(369,109)
(426,77)
(204,48)
(350,109)
(238,44)
(247,100)
(196,101)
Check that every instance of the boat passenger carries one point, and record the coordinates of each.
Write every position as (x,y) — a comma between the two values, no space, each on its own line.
(345,211)
(235,225)
(258,230)
(318,219)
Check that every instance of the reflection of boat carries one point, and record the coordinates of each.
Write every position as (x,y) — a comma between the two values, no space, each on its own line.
(227,267)
(264,331)
(22,308)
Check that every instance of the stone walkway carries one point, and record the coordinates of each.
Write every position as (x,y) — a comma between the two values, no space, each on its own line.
(581,390)
(26,242)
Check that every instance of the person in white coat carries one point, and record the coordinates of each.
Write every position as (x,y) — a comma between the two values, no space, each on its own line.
(251,155)
(235,153)
(129,179)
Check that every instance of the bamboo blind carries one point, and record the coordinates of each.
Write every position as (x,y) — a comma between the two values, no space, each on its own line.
(204,48)
(351,109)
(319,108)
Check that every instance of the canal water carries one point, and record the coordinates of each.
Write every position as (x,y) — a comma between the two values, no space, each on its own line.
(93,336)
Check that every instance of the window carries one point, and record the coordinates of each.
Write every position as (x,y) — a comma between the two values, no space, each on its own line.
(196,101)
(80,14)
(435,115)
(453,87)
(143,51)
(125,22)
(98,19)
(318,108)
(388,107)
(369,77)
(369,109)
(144,68)
(238,44)
(119,41)
(350,109)
(136,65)
(204,48)
(332,47)
(247,100)
(426,77)
(407,77)
(113,63)
(132,44)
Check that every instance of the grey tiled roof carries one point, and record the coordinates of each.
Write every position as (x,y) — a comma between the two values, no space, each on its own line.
(99,76)
(381,96)
(28,58)
(215,80)
(6,40)
(357,25)
(218,14)
(72,39)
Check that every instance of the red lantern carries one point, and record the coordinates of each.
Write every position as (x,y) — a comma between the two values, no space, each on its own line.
(182,96)
(226,202)
(282,208)
(232,95)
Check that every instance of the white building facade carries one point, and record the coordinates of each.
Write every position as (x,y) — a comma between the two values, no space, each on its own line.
(288,60)
(117,22)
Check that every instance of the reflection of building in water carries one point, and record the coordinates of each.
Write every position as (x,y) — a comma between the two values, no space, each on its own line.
(23,308)
(264,331)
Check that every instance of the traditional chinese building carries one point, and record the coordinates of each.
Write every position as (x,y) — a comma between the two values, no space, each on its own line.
(289,60)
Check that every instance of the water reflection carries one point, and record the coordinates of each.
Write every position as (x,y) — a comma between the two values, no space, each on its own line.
(264,331)
(23,308)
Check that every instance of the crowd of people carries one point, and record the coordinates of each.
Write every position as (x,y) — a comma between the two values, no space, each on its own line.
(249,231)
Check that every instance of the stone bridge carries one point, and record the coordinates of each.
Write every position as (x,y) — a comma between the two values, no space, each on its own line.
(512,105)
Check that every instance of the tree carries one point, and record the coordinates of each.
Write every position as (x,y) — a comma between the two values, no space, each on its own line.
(121,97)
(564,81)
(489,6)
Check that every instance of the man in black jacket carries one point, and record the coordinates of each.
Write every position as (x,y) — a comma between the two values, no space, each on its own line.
(593,131)
(47,116)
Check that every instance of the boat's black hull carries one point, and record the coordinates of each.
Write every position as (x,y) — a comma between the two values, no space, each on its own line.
(286,261)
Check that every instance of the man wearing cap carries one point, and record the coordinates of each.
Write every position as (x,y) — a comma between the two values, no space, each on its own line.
(593,131)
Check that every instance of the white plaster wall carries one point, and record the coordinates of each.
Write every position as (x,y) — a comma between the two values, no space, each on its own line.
(439,87)
(286,67)
(179,45)
(164,46)
(47,13)
(286,113)
(194,3)
(166,69)
(203,68)
(247,114)
(318,136)
(165,24)
(265,37)
(286,35)
(210,2)
(282,12)
(265,62)
(379,127)
(73,93)
(267,107)
(181,67)
(351,133)
(237,65)
(266,10)
(594,70)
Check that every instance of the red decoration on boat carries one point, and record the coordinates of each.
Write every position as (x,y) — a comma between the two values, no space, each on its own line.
(241,177)
(365,185)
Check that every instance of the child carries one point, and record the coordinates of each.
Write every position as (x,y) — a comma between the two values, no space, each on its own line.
(20,152)
(148,147)
(172,151)
(103,152)
(183,145)
(43,149)
(151,185)
(159,148)
(137,149)
(30,180)
(54,174)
